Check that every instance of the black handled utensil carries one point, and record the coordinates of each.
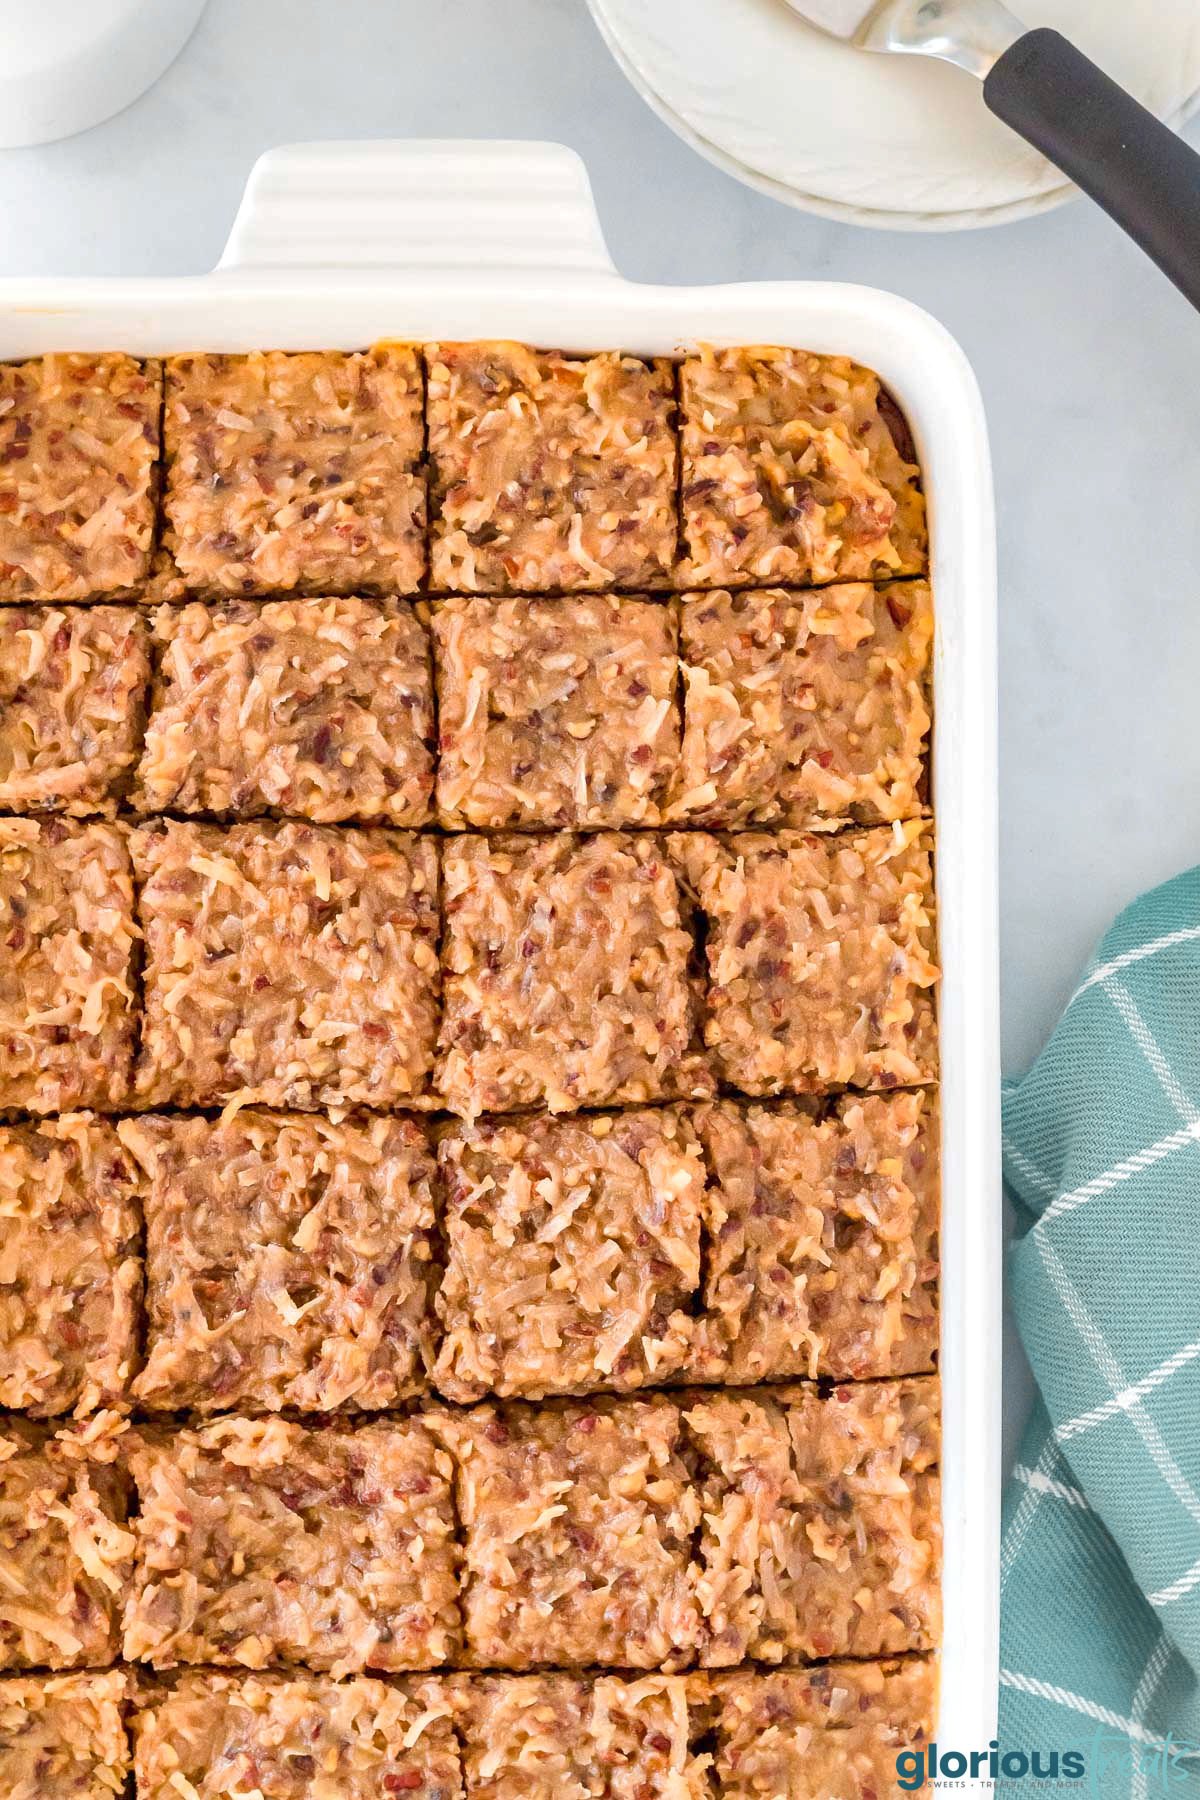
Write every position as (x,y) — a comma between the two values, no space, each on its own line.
(1135,167)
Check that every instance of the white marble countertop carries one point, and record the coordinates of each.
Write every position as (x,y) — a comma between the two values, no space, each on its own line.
(1085,355)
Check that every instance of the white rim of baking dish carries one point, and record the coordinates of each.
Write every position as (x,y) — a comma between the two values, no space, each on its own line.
(340,245)
(875,218)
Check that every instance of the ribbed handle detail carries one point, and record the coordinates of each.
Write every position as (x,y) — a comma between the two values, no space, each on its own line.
(422,205)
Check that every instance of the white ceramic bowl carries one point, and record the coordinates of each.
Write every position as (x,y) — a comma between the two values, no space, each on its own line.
(895,142)
(66,65)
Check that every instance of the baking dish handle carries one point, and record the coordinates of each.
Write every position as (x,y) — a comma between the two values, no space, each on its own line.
(423,205)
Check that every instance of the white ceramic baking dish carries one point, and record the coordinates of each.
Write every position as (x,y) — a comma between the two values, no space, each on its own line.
(336,245)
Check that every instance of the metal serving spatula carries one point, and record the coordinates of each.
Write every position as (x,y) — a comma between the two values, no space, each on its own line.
(1134,166)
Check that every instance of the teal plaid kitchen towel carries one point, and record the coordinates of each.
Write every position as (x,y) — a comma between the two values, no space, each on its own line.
(1100,1566)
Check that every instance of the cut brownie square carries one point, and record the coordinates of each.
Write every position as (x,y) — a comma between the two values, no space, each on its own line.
(549,471)
(297,1737)
(567,977)
(820,957)
(70,1272)
(291,964)
(573,1253)
(64,1550)
(803,707)
(62,1737)
(288,1262)
(547,1737)
(821,1240)
(73,685)
(577,1523)
(796,468)
(79,441)
(821,1533)
(320,708)
(555,712)
(832,1733)
(296,472)
(66,979)
(263,1541)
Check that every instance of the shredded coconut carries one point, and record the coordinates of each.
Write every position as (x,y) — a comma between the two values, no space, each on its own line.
(295,473)
(804,707)
(821,1533)
(560,1737)
(62,1737)
(573,1253)
(260,1542)
(804,1732)
(821,1234)
(555,712)
(289,964)
(796,468)
(322,709)
(820,957)
(244,1215)
(294,1737)
(72,690)
(70,1274)
(78,457)
(577,1525)
(549,472)
(66,949)
(64,1551)
(567,975)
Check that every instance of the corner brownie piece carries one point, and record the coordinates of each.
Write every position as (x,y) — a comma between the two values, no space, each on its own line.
(549,471)
(78,464)
(820,957)
(546,1737)
(261,1541)
(66,953)
(566,975)
(62,1737)
(64,1550)
(289,1262)
(573,1253)
(821,1240)
(70,1272)
(796,468)
(296,472)
(577,1523)
(319,708)
(804,706)
(296,1737)
(295,965)
(73,684)
(832,1733)
(821,1534)
(555,712)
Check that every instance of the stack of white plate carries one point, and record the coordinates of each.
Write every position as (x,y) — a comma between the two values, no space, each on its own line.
(878,140)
